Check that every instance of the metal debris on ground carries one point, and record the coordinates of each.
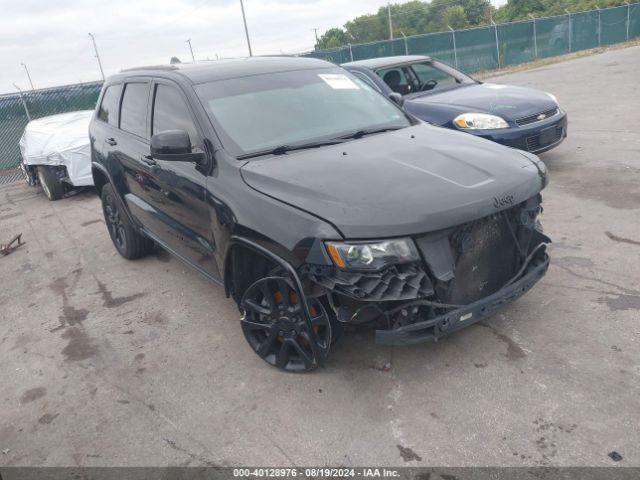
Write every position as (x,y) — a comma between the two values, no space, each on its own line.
(14,243)
(615,456)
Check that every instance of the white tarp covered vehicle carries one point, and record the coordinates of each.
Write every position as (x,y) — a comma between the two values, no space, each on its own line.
(55,152)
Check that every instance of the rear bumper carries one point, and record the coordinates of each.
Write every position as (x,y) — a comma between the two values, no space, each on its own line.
(530,138)
(434,328)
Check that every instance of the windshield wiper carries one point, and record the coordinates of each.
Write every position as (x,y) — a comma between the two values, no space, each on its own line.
(370,131)
(282,149)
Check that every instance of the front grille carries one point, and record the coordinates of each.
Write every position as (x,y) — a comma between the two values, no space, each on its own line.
(528,120)
(486,259)
(535,143)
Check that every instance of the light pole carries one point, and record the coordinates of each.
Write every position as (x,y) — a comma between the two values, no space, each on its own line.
(191,49)
(28,76)
(390,23)
(95,48)
(246,30)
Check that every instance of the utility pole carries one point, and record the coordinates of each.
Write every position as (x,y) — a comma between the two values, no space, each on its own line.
(24,104)
(390,23)
(95,48)
(246,30)
(191,49)
(315,30)
(28,76)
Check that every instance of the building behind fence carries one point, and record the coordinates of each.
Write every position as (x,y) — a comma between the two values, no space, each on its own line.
(472,50)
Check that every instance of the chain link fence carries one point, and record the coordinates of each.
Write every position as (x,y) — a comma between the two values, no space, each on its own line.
(472,50)
(496,46)
(16,110)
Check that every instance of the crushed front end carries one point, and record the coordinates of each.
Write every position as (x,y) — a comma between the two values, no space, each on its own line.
(424,287)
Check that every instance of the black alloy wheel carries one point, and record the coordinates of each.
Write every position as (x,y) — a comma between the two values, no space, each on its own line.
(274,325)
(114,223)
(127,240)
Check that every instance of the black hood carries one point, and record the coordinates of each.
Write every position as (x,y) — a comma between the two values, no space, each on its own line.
(414,180)
(509,102)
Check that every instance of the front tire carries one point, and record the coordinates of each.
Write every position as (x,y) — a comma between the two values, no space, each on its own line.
(128,242)
(51,184)
(273,324)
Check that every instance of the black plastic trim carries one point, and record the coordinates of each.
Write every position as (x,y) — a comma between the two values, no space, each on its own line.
(433,329)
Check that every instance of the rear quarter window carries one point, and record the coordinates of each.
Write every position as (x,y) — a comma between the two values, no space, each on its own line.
(108,110)
(133,112)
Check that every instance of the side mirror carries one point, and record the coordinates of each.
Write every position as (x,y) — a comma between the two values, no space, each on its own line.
(395,97)
(173,146)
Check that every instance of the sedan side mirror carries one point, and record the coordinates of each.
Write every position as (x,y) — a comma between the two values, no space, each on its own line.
(173,146)
(395,97)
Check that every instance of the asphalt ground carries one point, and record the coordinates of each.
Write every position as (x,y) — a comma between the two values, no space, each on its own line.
(110,362)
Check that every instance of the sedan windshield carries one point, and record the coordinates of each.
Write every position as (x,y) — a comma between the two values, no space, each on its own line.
(288,110)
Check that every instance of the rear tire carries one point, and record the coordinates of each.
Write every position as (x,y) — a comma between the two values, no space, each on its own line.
(128,242)
(51,184)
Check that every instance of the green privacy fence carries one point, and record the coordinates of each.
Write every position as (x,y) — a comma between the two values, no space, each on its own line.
(17,109)
(495,46)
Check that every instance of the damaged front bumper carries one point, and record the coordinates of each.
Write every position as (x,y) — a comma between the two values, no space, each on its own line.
(454,320)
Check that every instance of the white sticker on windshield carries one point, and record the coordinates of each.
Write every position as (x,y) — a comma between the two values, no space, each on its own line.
(494,86)
(338,81)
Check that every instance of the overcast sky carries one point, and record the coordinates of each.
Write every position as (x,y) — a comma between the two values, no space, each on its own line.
(51,36)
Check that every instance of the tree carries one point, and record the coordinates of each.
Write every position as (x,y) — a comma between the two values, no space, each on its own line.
(333,38)
(455,17)
(477,11)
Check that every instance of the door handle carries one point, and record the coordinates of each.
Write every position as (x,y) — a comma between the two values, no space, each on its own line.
(111,141)
(148,159)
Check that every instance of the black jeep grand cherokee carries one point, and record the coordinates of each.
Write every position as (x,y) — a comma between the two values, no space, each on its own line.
(315,201)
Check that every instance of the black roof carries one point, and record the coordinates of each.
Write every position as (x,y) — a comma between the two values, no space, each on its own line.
(382,62)
(209,71)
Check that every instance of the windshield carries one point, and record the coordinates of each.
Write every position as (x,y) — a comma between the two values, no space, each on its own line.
(426,76)
(260,112)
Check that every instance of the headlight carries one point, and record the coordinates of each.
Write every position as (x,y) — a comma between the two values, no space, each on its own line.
(372,256)
(479,121)
(553,97)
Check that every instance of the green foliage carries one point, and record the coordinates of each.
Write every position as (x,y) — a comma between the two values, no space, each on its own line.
(521,9)
(417,17)
(408,18)
(332,38)
(455,17)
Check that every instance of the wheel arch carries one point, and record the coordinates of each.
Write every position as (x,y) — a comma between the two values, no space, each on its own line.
(101,177)
(241,250)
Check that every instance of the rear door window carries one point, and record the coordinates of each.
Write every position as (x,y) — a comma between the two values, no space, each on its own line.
(133,112)
(108,111)
(171,112)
